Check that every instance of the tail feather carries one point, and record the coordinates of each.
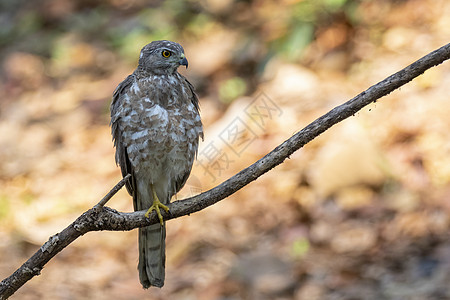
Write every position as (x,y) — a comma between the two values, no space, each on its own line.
(152,255)
(152,239)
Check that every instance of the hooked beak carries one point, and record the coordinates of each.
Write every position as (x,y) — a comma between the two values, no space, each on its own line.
(183,61)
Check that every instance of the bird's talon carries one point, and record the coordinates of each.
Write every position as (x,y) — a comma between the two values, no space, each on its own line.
(156,206)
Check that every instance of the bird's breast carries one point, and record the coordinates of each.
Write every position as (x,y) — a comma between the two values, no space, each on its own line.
(160,137)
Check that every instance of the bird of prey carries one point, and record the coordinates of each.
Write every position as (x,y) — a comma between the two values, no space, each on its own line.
(156,127)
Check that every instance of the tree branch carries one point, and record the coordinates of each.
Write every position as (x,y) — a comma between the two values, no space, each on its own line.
(104,218)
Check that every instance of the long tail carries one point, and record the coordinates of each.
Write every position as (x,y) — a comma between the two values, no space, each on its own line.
(152,255)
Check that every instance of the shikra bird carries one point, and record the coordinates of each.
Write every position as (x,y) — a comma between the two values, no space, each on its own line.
(156,127)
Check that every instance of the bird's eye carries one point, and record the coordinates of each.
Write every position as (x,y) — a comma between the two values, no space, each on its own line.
(166,53)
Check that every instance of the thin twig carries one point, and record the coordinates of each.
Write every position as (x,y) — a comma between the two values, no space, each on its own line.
(113,191)
(108,219)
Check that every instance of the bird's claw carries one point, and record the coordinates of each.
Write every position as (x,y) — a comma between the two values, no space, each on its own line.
(156,206)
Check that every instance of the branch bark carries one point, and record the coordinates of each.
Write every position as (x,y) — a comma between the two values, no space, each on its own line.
(104,218)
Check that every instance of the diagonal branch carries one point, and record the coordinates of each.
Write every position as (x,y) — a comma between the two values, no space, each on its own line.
(104,218)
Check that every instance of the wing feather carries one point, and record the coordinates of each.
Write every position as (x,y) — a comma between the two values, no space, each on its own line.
(122,158)
(181,181)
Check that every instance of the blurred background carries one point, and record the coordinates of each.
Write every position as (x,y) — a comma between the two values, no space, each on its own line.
(362,212)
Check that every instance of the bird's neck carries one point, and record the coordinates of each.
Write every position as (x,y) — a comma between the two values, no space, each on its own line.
(145,72)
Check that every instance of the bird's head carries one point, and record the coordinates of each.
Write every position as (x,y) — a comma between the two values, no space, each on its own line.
(162,57)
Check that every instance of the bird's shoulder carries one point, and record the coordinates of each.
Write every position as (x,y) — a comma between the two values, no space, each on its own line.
(192,95)
(124,85)
(120,90)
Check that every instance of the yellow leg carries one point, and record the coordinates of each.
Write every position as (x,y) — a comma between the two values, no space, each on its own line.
(156,206)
